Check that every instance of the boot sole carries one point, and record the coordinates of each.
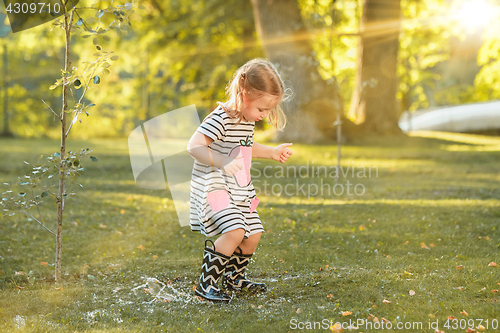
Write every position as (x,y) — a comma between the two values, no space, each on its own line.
(251,290)
(211,299)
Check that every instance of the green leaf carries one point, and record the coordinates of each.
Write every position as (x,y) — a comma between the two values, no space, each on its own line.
(106,38)
(22,194)
(114,58)
(93,158)
(80,22)
(90,105)
(57,155)
(76,163)
(95,41)
(101,13)
(25,183)
(97,80)
(44,194)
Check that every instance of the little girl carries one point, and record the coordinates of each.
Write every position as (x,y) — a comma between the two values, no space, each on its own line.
(223,199)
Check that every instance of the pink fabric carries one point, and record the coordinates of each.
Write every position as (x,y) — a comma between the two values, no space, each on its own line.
(244,154)
(253,204)
(218,200)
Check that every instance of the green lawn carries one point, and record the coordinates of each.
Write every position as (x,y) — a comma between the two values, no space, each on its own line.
(427,221)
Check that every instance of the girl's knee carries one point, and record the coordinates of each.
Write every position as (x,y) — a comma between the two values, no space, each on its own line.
(236,234)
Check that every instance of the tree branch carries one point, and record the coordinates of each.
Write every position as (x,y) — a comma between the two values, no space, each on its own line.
(34,218)
(36,204)
(157,6)
(83,19)
(52,110)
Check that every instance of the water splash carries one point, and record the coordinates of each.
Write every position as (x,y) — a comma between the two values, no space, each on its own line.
(164,292)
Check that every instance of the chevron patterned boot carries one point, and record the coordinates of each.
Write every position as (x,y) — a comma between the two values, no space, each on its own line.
(212,269)
(234,277)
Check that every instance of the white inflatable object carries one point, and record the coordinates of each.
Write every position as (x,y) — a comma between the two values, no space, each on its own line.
(461,118)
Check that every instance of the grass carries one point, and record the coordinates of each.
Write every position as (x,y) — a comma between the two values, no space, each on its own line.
(432,205)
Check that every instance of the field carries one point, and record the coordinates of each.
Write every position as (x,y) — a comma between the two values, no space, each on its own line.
(411,241)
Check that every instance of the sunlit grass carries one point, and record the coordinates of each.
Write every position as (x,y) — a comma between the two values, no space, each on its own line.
(457,137)
(428,211)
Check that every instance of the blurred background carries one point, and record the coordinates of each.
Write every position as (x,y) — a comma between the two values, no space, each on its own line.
(381,66)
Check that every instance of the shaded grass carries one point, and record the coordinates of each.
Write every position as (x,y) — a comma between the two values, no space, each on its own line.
(433,205)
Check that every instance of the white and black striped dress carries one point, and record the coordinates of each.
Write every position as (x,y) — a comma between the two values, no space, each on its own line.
(221,203)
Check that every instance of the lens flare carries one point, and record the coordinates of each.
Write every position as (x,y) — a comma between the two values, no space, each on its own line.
(476,13)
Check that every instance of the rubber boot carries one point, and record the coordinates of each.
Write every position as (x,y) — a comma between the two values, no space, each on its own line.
(234,277)
(214,264)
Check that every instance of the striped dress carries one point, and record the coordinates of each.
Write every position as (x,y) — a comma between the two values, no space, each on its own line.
(221,203)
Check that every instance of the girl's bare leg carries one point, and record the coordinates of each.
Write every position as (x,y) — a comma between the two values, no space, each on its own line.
(229,241)
(249,245)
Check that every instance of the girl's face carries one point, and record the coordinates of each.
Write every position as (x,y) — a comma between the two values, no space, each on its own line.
(258,108)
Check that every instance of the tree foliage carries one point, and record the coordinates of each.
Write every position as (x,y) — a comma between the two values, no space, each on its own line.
(184,52)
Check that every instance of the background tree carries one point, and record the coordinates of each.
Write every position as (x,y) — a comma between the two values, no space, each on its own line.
(315,103)
(374,101)
(437,56)
(190,49)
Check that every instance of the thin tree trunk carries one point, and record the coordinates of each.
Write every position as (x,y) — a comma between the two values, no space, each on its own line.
(312,109)
(62,166)
(374,100)
(5,88)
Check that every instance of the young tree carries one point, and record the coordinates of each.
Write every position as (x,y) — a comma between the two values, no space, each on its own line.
(67,165)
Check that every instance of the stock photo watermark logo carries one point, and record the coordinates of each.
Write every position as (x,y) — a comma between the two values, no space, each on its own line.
(159,157)
(160,161)
(311,180)
(26,14)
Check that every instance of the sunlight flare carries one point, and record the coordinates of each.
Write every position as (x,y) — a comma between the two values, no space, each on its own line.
(476,13)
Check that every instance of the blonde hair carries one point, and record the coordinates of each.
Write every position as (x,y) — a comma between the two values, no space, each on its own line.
(256,77)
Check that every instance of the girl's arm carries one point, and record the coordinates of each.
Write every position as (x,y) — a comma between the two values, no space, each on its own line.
(279,153)
(198,149)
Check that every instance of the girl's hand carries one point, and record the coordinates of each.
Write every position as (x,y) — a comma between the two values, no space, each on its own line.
(232,165)
(281,153)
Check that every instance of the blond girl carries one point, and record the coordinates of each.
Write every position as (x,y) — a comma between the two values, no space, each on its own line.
(223,199)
